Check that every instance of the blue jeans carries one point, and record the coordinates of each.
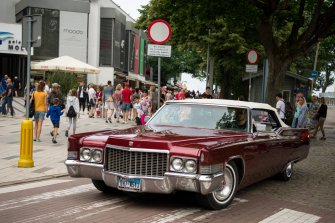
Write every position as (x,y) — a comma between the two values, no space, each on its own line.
(9,101)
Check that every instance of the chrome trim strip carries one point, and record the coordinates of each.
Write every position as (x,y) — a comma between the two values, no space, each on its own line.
(131,176)
(131,149)
(80,163)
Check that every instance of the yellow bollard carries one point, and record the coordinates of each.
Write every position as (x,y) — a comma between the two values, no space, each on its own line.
(26,145)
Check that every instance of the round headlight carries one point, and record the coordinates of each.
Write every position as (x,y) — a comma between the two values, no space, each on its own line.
(85,154)
(177,164)
(97,156)
(190,166)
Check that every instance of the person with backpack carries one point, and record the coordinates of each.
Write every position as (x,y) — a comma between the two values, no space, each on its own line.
(280,106)
(72,110)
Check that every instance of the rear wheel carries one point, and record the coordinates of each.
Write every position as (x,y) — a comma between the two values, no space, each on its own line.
(224,195)
(100,185)
(286,175)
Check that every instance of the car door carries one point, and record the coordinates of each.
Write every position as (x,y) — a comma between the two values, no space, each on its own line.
(265,123)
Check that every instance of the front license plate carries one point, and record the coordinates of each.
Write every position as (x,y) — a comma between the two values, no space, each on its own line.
(129,184)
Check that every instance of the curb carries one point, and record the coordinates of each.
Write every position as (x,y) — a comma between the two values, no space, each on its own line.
(10,183)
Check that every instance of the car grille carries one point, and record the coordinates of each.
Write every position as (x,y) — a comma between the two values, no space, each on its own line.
(152,164)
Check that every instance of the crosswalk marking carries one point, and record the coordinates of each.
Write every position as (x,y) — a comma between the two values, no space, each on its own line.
(101,206)
(24,201)
(291,216)
(26,186)
(170,217)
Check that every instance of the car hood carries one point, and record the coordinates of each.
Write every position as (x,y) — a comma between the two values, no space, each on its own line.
(164,137)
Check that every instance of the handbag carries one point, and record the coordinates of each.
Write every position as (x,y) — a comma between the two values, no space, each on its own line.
(32,108)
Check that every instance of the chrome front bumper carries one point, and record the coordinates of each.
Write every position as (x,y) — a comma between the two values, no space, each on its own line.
(81,169)
(169,183)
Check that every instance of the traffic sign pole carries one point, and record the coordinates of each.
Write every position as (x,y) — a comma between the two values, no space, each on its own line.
(159,32)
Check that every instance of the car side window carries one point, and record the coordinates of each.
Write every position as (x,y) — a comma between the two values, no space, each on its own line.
(264,120)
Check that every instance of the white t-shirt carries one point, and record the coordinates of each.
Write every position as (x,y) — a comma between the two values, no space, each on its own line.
(91,94)
(281,106)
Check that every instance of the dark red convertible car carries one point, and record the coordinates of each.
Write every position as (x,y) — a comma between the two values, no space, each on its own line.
(209,147)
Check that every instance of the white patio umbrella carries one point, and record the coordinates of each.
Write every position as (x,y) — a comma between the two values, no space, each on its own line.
(66,64)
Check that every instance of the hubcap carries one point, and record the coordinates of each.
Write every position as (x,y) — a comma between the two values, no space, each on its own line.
(289,170)
(225,191)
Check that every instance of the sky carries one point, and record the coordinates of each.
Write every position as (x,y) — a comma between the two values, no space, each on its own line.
(131,6)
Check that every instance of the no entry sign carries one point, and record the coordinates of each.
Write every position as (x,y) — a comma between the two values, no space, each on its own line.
(159,31)
(252,57)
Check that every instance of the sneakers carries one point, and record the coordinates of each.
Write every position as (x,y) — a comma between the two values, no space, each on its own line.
(110,120)
(106,121)
(54,141)
(66,133)
(52,134)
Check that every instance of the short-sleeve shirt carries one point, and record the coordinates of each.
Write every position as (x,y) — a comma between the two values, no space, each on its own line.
(9,87)
(108,92)
(281,106)
(126,93)
(40,98)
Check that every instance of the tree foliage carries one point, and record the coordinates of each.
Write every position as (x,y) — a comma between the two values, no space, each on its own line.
(281,30)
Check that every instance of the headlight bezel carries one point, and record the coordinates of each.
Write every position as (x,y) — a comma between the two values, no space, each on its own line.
(183,168)
(90,152)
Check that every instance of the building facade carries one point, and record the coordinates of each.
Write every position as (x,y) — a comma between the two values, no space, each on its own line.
(97,32)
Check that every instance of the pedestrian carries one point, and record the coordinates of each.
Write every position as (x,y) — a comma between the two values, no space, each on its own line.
(117,98)
(153,98)
(300,115)
(280,106)
(321,116)
(126,93)
(56,93)
(17,86)
(92,97)
(72,113)
(40,103)
(8,98)
(137,106)
(312,111)
(55,113)
(145,106)
(99,101)
(107,97)
(241,98)
(4,81)
(136,95)
(207,93)
(82,95)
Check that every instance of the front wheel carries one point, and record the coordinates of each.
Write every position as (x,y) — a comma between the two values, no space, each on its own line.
(224,195)
(100,185)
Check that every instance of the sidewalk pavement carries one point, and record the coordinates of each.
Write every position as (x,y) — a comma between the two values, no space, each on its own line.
(49,158)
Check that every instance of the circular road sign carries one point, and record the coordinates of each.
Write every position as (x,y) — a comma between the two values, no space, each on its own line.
(252,56)
(159,31)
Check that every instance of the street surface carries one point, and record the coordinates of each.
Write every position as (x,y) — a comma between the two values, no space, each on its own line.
(44,193)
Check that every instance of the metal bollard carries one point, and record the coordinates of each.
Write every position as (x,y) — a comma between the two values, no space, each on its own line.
(26,144)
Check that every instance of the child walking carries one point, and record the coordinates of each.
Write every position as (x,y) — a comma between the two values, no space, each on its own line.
(55,113)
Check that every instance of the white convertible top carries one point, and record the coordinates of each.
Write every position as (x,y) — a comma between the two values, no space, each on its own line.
(233,103)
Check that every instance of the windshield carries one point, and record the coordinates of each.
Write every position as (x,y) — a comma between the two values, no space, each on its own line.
(202,116)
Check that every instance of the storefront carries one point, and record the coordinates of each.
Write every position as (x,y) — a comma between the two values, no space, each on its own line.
(13,59)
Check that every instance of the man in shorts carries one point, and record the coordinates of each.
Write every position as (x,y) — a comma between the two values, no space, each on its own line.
(126,93)
(107,97)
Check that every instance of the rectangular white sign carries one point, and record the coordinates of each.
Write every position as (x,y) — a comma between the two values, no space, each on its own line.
(73,35)
(250,68)
(159,50)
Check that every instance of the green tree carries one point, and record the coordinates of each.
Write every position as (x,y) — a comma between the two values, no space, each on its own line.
(286,29)
(67,81)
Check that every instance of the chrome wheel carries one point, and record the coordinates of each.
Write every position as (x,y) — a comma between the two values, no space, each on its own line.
(287,172)
(224,195)
(229,183)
